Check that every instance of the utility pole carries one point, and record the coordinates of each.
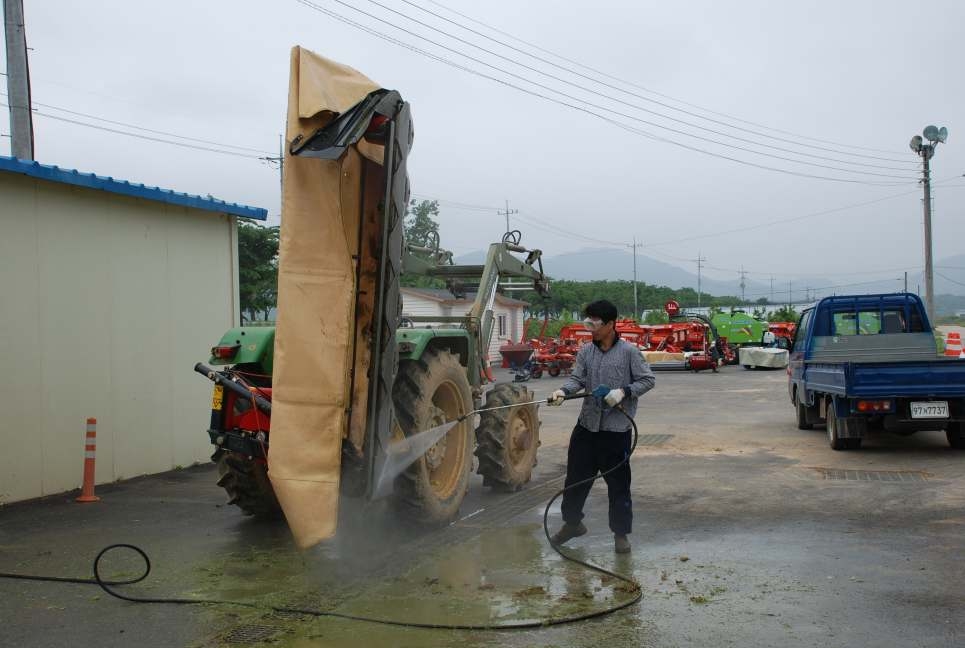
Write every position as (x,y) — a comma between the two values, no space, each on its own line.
(935,136)
(906,281)
(700,261)
(743,283)
(636,306)
(771,299)
(789,295)
(18,82)
(507,214)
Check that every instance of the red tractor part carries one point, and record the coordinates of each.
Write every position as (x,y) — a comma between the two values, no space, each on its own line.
(783,332)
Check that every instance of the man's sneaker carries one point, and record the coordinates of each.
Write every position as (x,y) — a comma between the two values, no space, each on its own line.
(620,543)
(567,533)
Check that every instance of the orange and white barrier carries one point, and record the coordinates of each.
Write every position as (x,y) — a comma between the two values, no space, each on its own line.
(90,451)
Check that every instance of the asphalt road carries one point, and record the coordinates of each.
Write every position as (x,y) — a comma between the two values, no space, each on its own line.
(747,532)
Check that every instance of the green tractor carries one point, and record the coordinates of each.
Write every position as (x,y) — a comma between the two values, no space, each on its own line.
(350,380)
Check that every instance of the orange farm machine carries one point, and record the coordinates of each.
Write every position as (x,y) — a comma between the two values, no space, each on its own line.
(783,333)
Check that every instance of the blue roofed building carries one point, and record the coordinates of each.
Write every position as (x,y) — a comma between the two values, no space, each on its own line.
(110,291)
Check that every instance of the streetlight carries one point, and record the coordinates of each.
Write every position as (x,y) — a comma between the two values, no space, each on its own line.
(934,135)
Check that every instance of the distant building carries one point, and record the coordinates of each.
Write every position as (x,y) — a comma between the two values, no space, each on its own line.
(508,313)
(110,292)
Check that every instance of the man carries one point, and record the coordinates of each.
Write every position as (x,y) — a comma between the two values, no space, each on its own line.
(602,436)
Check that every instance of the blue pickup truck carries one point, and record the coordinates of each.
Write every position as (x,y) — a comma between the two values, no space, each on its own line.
(870,362)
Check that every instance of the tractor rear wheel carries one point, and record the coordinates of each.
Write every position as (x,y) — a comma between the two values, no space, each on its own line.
(427,393)
(507,439)
(246,482)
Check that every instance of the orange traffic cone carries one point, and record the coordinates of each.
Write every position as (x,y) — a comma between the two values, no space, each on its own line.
(90,449)
(953,345)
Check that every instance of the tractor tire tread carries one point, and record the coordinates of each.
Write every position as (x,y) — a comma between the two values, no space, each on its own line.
(492,445)
(412,494)
(247,485)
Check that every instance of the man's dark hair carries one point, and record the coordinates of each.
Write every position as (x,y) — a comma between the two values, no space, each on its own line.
(603,309)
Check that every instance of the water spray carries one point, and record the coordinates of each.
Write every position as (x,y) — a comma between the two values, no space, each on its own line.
(403,453)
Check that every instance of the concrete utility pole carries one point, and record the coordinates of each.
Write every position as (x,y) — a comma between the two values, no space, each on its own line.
(507,214)
(743,283)
(18,82)
(636,306)
(935,136)
(929,276)
(700,261)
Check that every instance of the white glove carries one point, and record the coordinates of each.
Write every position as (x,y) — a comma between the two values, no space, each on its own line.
(556,398)
(614,397)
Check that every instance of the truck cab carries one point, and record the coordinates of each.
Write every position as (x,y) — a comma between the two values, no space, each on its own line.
(870,362)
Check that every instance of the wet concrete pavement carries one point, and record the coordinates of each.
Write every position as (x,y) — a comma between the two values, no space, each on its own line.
(747,532)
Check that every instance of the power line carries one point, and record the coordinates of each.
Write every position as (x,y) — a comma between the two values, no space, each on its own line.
(580,108)
(570,70)
(949,279)
(145,129)
(545,226)
(140,136)
(604,96)
(645,89)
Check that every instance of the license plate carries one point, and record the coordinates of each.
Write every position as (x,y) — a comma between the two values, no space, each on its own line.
(930,410)
(217,397)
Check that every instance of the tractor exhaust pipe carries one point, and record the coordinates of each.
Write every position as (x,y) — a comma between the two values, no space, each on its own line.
(231,384)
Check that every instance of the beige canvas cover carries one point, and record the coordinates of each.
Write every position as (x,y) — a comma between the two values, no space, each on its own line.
(763,357)
(656,356)
(321,208)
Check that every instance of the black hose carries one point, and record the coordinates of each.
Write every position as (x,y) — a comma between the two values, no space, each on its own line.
(108,586)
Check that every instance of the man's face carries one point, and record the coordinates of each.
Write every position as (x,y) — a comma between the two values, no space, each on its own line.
(601,330)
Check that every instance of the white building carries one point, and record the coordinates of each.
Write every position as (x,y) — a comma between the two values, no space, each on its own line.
(508,313)
(110,292)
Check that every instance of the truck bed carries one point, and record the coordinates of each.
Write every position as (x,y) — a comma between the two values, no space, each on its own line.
(937,377)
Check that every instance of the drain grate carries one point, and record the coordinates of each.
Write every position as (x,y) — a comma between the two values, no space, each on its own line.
(872,475)
(251,634)
(653,439)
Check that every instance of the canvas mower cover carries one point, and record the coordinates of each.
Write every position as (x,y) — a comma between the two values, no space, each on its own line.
(344,196)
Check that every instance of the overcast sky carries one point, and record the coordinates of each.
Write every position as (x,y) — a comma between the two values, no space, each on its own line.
(863,77)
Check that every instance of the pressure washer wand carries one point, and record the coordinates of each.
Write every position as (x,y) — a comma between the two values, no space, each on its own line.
(542,401)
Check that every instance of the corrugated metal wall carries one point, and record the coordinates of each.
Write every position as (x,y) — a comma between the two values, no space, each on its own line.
(106,303)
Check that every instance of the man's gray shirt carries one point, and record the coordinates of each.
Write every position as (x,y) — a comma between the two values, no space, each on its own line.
(620,367)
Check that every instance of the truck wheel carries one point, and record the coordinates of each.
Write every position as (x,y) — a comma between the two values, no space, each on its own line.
(802,414)
(507,439)
(956,436)
(246,482)
(427,393)
(833,427)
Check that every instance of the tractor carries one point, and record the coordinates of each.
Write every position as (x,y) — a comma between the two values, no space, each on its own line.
(348,378)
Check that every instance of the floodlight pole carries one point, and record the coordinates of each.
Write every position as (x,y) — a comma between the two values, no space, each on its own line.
(927,151)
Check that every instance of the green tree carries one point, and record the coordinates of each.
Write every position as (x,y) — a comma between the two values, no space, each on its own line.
(257,269)
(421,226)
(783,314)
(656,316)
(422,229)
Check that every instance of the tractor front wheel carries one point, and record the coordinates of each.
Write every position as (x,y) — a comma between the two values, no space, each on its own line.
(507,439)
(427,393)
